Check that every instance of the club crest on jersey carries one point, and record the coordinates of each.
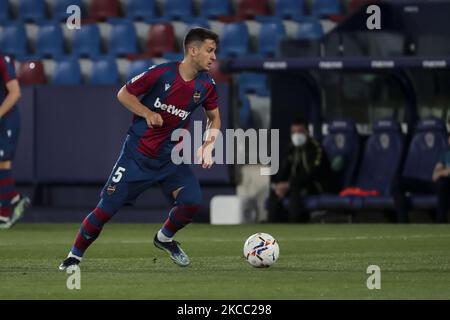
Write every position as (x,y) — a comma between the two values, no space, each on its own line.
(196,96)
(110,189)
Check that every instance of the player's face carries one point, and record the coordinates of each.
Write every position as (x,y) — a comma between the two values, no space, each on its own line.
(206,54)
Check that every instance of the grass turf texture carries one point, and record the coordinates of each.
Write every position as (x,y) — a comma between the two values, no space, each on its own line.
(316,262)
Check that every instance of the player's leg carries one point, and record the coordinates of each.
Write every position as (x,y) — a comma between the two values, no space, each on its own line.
(123,186)
(12,204)
(183,189)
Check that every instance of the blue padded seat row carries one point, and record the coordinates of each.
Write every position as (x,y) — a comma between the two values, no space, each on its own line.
(211,9)
(326,7)
(342,141)
(289,9)
(178,9)
(104,71)
(32,10)
(251,82)
(234,40)
(426,147)
(310,28)
(122,38)
(4,11)
(269,37)
(67,71)
(50,40)
(380,163)
(141,9)
(137,67)
(13,39)
(59,11)
(86,41)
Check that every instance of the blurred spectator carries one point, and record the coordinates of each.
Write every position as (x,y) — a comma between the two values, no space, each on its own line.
(305,170)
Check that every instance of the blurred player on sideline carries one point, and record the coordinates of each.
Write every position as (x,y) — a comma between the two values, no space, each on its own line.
(12,204)
(169,93)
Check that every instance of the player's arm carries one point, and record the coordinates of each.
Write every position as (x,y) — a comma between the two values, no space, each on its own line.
(213,124)
(132,103)
(439,171)
(11,98)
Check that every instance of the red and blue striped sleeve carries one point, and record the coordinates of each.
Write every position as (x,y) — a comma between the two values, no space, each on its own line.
(7,70)
(143,82)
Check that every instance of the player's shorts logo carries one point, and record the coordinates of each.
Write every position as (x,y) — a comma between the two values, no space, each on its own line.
(110,189)
(196,96)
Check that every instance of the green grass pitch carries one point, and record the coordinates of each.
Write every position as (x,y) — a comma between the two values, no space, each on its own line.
(317,261)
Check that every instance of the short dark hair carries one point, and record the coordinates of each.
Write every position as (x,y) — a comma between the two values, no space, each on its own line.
(300,122)
(199,34)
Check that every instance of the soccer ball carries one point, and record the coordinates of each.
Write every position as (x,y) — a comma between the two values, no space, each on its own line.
(261,250)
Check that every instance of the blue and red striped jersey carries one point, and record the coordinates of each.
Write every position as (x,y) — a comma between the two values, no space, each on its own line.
(7,73)
(162,89)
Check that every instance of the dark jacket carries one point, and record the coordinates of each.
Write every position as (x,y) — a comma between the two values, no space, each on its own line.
(307,168)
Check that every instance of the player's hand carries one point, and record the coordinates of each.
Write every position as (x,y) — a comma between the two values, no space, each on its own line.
(153,119)
(204,155)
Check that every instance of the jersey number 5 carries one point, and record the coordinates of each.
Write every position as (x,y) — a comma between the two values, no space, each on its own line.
(118,175)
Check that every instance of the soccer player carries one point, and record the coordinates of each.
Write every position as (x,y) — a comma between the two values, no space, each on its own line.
(169,93)
(12,204)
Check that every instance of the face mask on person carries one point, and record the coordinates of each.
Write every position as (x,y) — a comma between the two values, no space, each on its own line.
(298,139)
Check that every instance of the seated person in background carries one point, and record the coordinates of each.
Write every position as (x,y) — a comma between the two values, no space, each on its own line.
(305,170)
(440,185)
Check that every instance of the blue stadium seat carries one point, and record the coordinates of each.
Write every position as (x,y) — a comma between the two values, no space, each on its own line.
(309,29)
(137,67)
(211,9)
(173,56)
(289,9)
(178,9)
(141,9)
(197,22)
(32,10)
(59,12)
(326,7)
(104,71)
(427,145)
(50,40)
(343,142)
(67,71)
(13,39)
(250,82)
(4,11)
(234,40)
(269,38)
(380,163)
(86,41)
(122,38)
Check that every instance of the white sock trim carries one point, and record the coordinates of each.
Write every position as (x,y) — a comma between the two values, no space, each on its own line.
(162,237)
(15,199)
(71,255)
